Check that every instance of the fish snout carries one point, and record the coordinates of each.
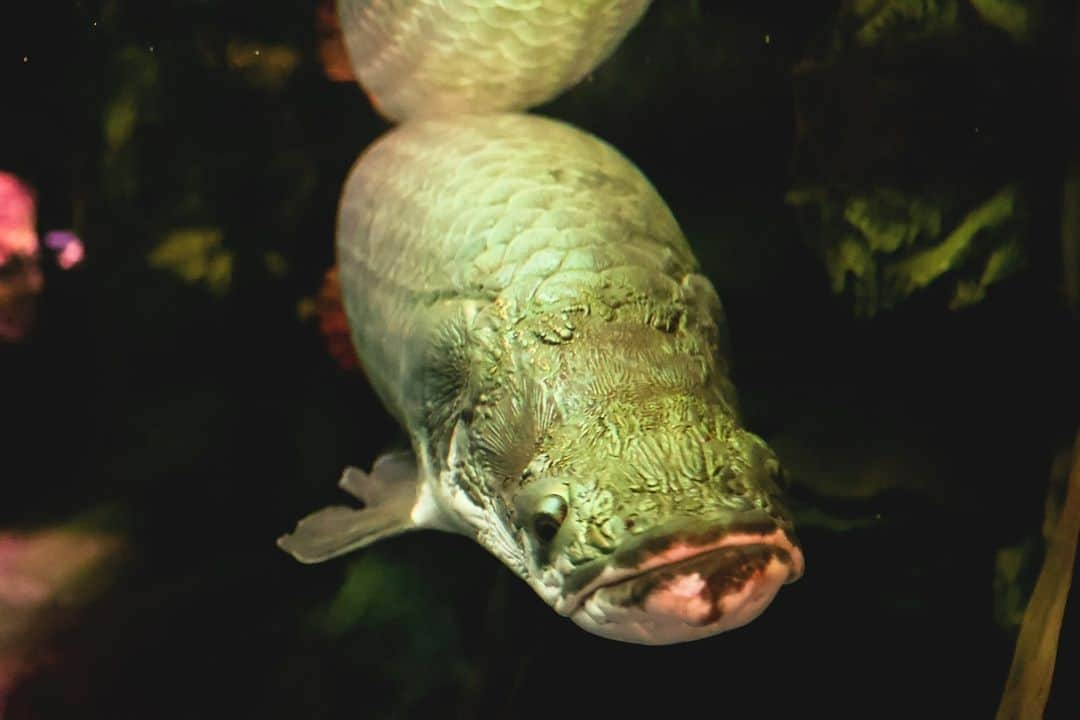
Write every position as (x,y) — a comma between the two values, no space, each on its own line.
(690,579)
(762,484)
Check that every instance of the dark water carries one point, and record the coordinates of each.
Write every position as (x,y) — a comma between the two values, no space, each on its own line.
(207,422)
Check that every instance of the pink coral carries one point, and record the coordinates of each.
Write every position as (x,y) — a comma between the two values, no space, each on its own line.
(18,235)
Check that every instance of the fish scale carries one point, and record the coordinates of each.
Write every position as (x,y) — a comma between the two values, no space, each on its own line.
(463,248)
(442,57)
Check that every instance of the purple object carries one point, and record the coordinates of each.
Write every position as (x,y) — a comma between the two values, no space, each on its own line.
(59,239)
(69,248)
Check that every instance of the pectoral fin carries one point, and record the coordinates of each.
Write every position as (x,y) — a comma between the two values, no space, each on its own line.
(388,492)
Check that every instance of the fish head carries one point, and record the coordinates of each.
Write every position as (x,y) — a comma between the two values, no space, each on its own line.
(676,536)
(631,498)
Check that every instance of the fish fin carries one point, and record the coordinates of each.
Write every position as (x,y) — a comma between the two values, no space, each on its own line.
(389,474)
(388,492)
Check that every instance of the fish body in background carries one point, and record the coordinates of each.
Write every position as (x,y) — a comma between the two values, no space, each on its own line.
(525,304)
(443,57)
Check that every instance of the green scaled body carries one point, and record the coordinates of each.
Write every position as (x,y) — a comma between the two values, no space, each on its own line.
(527,307)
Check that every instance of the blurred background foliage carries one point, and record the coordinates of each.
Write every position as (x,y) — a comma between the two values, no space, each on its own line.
(876,189)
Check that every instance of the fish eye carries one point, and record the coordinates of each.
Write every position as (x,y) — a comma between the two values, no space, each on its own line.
(550,514)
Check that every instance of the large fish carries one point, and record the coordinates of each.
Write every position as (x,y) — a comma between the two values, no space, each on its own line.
(527,307)
(444,57)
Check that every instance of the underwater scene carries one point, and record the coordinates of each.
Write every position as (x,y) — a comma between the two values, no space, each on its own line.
(540,359)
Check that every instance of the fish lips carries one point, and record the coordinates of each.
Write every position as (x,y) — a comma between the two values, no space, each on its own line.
(693,586)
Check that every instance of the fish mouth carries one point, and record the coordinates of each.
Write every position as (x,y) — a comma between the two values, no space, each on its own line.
(688,590)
